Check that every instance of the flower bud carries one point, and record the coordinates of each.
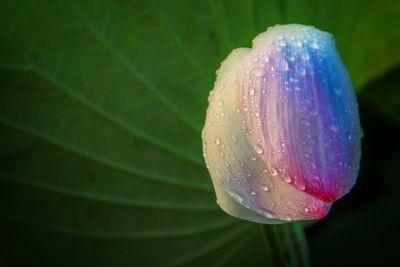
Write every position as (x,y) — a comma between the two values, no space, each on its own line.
(282,134)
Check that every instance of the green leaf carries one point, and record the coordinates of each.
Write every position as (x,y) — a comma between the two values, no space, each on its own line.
(101,108)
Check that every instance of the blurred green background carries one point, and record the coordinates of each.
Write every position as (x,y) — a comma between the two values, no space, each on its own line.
(101,108)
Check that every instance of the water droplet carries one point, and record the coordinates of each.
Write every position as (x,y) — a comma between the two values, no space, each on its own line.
(338,91)
(349,136)
(259,149)
(334,128)
(251,92)
(220,103)
(287,178)
(258,72)
(269,214)
(314,45)
(217,141)
(236,196)
(314,112)
(254,158)
(288,217)
(283,65)
(283,144)
(301,71)
(315,177)
(301,184)
(306,209)
(265,171)
(253,193)
(226,164)
(247,72)
(264,187)
(305,122)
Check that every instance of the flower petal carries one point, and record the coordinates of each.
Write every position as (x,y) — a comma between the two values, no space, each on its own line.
(281,139)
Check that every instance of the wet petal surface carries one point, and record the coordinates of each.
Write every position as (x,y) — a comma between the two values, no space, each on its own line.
(282,133)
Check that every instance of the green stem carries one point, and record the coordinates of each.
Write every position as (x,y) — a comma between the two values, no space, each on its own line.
(302,243)
(286,245)
(275,248)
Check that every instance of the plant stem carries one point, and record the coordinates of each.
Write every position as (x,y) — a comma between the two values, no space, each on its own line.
(286,245)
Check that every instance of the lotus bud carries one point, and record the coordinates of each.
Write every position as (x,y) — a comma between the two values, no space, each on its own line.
(282,134)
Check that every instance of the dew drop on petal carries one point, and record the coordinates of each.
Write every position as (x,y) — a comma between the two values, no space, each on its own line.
(269,214)
(334,128)
(236,196)
(287,178)
(259,149)
(283,65)
(301,185)
(258,72)
(264,187)
(301,71)
(338,91)
(314,112)
(251,92)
